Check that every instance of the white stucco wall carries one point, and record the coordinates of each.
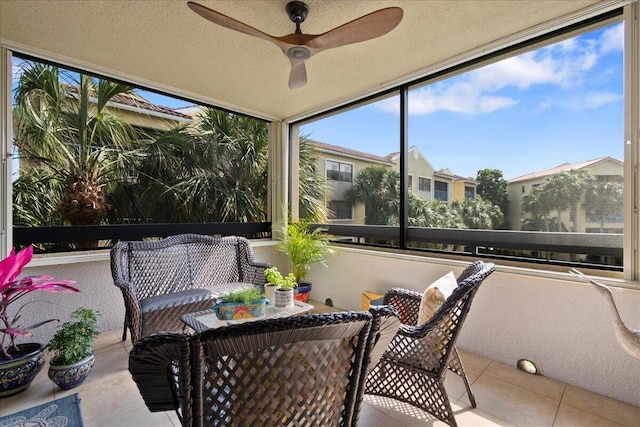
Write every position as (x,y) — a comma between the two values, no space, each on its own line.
(561,324)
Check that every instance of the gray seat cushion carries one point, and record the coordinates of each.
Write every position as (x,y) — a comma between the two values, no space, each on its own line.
(188,297)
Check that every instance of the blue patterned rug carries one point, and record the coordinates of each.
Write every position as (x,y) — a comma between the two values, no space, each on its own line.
(63,412)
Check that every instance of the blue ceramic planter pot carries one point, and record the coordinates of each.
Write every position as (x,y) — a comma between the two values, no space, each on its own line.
(16,374)
(238,310)
(70,376)
(301,292)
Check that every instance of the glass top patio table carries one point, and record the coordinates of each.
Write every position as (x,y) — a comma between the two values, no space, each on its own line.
(207,319)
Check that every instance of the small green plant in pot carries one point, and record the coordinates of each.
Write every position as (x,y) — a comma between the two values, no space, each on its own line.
(283,294)
(305,247)
(71,349)
(241,304)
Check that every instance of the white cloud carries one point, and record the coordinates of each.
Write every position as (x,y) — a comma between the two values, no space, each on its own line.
(589,100)
(596,100)
(613,39)
(562,64)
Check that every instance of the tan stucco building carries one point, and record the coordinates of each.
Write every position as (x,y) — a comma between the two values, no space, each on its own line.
(603,169)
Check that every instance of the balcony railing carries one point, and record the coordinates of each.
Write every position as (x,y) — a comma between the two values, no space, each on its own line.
(493,243)
(112,233)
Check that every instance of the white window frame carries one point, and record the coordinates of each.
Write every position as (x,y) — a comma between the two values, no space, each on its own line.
(326,169)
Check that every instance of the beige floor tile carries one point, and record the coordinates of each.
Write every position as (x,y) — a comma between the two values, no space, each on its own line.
(474,364)
(454,385)
(402,413)
(174,418)
(505,396)
(107,341)
(538,383)
(466,416)
(124,412)
(513,404)
(605,407)
(570,416)
(125,400)
(372,417)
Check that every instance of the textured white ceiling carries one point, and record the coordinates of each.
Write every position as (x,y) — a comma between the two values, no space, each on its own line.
(164,43)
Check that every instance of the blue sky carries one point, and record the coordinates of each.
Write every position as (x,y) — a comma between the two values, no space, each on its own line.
(561,103)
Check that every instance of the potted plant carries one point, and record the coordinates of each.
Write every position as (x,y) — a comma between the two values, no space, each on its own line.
(305,247)
(241,304)
(71,349)
(283,293)
(20,363)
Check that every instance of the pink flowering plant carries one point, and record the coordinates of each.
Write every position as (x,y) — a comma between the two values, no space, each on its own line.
(12,289)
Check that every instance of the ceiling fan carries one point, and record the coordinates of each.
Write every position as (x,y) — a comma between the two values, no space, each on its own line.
(299,47)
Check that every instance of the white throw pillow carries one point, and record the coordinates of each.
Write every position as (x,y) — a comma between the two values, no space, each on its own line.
(435,296)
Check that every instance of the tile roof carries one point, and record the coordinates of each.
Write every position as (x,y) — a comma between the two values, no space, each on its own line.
(135,100)
(565,167)
(352,153)
(446,173)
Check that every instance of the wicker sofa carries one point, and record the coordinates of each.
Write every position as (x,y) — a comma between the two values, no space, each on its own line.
(160,280)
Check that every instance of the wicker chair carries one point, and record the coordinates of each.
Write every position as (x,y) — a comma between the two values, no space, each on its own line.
(161,280)
(414,365)
(294,371)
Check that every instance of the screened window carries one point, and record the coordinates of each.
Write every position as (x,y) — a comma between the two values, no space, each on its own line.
(424,184)
(441,191)
(341,209)
(337,171)
(469,192)
(561,103)
(132,167)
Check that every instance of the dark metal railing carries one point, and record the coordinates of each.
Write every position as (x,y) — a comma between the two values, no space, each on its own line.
(487,241)
(34,235)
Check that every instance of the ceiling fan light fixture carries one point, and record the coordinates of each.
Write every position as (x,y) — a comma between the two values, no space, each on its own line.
(299,52)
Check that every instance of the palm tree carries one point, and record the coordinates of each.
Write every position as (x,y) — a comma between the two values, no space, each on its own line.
(215,170)
(216,175)
(604,199)
(435,213)
(313,186)
(67,132)
(564,190)
(92,165)
(379,189)
(538,207)
(478,213)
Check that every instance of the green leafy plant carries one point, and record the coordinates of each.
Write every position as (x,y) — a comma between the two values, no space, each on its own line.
(283,282)
(305,247)
(244,296)
(73,340)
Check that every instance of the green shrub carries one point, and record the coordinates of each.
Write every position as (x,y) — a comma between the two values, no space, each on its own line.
(73,340)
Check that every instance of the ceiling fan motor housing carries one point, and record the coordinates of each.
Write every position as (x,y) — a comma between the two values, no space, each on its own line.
(297,11)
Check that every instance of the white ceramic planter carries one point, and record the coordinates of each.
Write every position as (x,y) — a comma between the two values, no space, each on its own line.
(270,293)
(284,298)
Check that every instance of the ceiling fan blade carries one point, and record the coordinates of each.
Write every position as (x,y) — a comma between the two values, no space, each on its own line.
(364,28)
(227,22)
(298,75)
